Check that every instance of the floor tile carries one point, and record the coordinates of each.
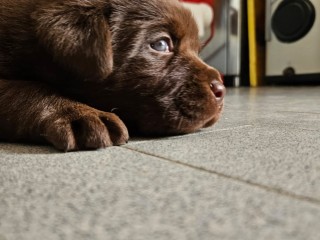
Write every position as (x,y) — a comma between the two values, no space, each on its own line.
(296,99)
(233,118)
(280,158)
(267,136)
(121,194)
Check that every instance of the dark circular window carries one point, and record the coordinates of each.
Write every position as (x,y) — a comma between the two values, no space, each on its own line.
(293,19)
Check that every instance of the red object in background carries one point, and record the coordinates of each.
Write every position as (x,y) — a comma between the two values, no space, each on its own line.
(211,4)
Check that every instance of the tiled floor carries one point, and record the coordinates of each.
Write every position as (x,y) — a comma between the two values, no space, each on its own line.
(255,175)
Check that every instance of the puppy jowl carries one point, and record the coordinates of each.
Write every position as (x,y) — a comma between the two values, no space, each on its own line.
(80,74)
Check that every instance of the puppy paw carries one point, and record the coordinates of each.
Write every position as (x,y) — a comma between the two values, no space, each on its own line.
(84,128)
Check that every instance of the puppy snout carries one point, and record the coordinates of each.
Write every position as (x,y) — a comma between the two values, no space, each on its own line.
(219,90)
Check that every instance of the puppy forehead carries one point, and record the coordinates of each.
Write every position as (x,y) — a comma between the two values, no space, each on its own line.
(178,18)
(163,14)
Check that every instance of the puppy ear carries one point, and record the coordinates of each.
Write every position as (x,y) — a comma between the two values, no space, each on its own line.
(77,34)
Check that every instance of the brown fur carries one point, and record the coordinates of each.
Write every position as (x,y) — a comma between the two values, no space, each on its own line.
(62,60)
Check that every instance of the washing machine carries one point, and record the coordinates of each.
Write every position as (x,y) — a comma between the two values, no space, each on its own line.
(226,51)
(293,40)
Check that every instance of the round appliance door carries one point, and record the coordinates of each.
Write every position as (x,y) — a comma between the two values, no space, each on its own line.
(293,19)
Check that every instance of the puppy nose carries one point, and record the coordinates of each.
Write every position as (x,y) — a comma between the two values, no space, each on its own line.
(218,90)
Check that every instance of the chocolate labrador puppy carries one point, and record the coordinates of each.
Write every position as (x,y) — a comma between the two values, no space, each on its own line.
(71,69)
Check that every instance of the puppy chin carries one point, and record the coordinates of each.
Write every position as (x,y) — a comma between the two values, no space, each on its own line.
(171,123)
(189,126)
(175,127)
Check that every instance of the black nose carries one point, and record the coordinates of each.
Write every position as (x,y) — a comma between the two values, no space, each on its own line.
(218,90)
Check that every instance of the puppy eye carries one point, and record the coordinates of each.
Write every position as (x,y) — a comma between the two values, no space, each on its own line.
(161,46)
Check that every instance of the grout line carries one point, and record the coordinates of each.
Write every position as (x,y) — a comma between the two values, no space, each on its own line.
(314,113)
(192,134)
(213,130)
(236,179)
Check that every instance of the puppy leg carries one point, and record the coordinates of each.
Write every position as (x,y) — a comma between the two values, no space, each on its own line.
(34,112)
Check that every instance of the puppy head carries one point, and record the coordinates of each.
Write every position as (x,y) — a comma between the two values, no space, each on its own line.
(159,85)
(144,53)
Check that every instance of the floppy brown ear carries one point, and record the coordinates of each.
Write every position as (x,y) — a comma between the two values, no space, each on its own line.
(77,34)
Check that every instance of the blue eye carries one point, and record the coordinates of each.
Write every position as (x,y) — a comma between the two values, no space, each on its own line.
(161,46)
